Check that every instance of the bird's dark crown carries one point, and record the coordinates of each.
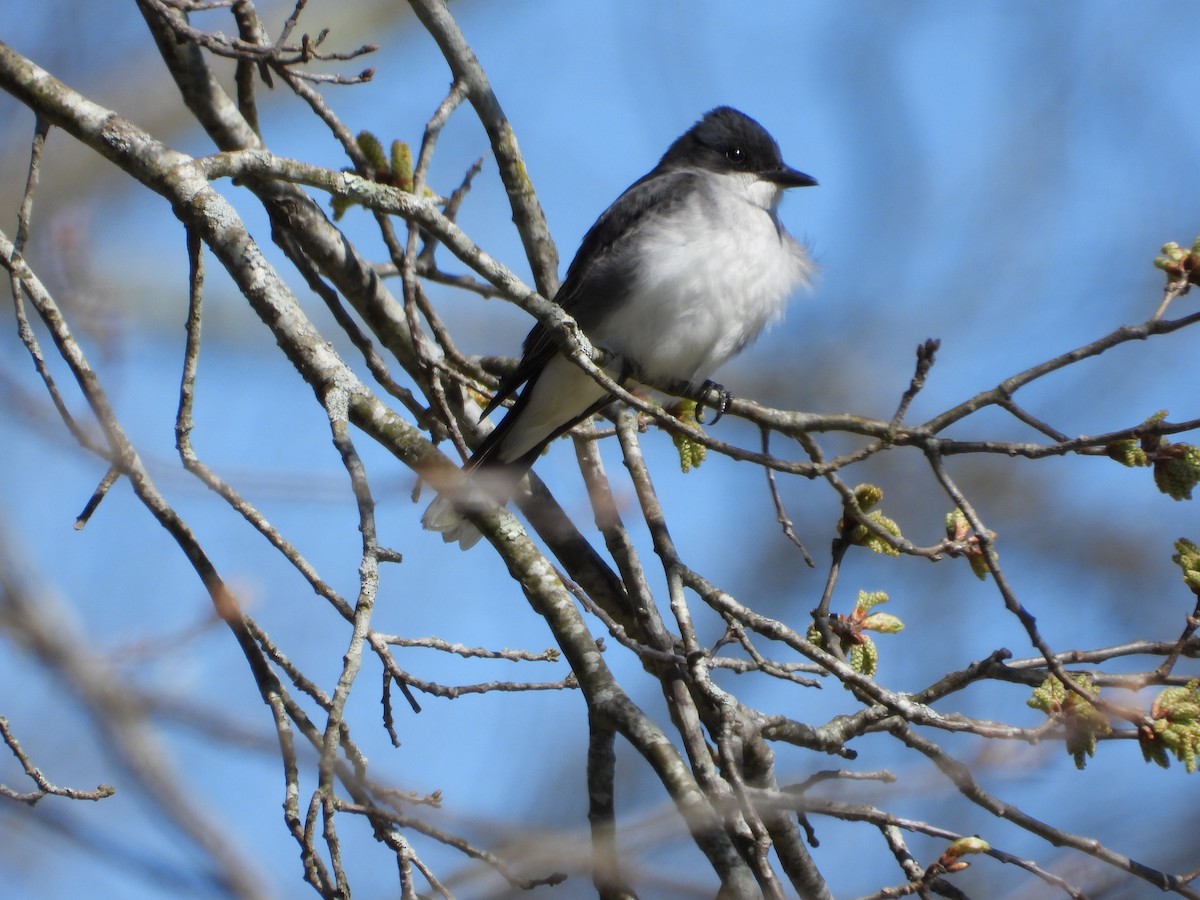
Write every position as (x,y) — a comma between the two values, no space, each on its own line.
(725,140)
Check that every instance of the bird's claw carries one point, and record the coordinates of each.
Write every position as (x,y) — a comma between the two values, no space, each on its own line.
(722,404)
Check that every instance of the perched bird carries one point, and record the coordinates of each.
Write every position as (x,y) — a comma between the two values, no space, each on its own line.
(687,267)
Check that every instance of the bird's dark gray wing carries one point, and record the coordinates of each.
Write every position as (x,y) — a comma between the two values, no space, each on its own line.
(599,274)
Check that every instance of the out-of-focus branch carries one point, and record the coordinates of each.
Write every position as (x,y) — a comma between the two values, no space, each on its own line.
(46,629)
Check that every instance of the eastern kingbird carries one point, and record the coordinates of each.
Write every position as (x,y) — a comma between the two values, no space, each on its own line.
(678,275)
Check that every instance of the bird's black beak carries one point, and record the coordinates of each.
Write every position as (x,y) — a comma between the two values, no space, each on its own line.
(787,177)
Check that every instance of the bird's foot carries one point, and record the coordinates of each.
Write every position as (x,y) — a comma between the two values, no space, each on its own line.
(722,404)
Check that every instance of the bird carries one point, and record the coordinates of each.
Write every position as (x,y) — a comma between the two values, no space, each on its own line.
(680,273)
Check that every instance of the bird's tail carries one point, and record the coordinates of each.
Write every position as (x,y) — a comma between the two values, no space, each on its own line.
(443,516)
(511,448)
(486,483)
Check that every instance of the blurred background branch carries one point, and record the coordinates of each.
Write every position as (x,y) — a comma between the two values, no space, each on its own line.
(952,181)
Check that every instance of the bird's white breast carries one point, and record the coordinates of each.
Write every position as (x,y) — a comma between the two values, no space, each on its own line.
(710,276)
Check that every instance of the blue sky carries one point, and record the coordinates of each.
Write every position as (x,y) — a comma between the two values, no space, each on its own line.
(997,174)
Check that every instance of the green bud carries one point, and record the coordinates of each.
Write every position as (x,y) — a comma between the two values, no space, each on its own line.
(1187,558)
(691,453)
(979,565)
(867,496)
(1153,750)
(1176,476)
(1081,720)
(402,166)
(1186,554)
(1179,264)
(1128,453)
(864,657)
(957,526)
(373,151)
(1176,727)
(864,538)
(967,845)
(1179,704)
(884,623)
(868,599)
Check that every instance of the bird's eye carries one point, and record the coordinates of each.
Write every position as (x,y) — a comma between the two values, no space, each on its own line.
(736,155)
